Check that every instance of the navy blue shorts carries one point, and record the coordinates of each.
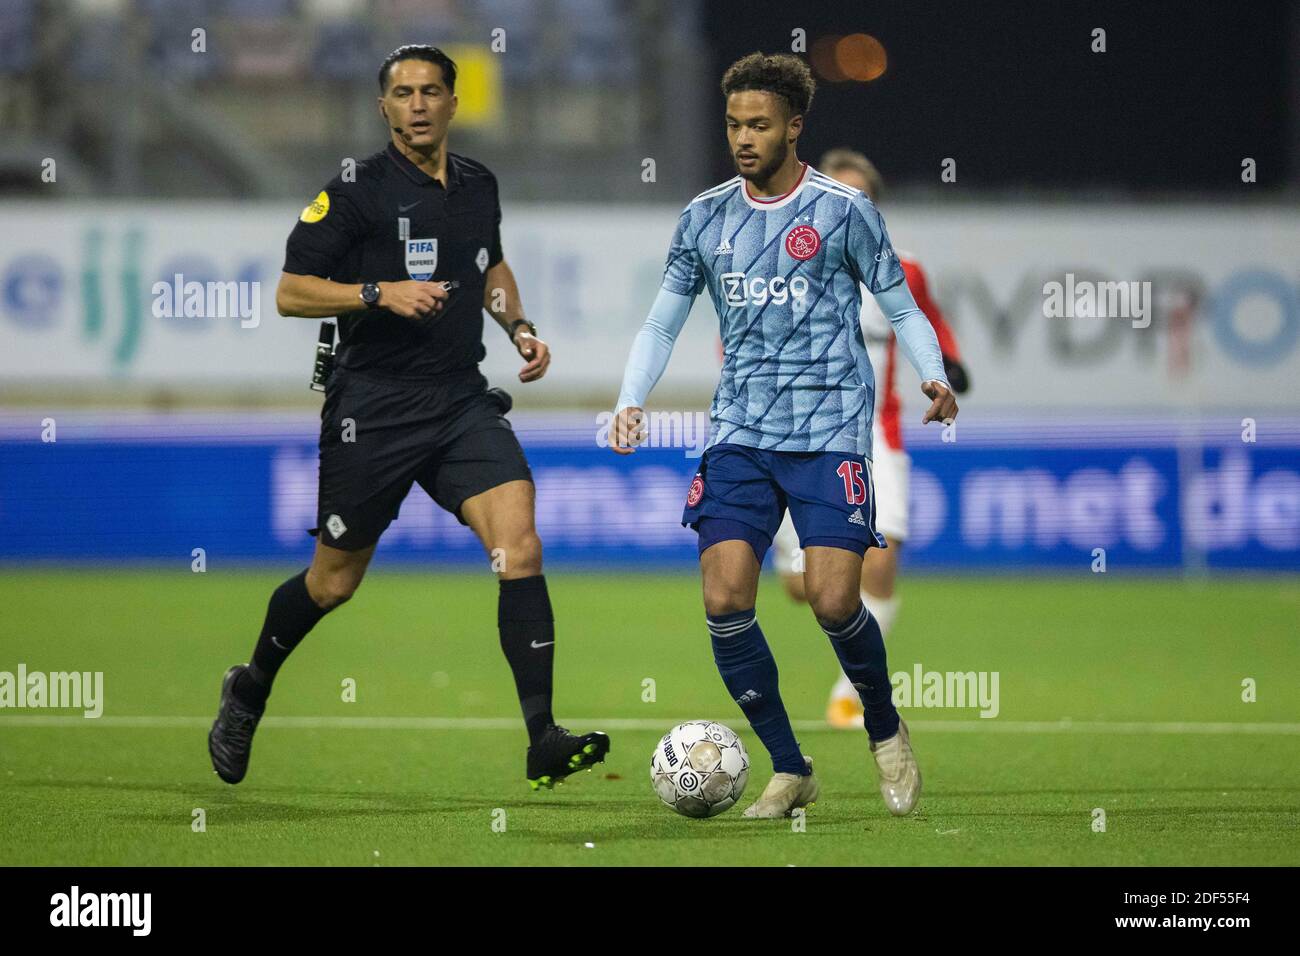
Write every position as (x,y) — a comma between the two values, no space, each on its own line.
(742,493)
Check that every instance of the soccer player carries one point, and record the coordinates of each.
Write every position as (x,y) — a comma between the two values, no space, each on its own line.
(890,465)
(407,253)
(783,252)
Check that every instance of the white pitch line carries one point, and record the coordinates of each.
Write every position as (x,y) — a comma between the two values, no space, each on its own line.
(975,725)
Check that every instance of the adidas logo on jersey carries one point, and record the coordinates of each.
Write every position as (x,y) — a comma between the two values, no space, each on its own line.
(724,247)
(856,518)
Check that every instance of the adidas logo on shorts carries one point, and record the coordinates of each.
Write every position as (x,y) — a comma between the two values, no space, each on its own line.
(856,518)
(336,526)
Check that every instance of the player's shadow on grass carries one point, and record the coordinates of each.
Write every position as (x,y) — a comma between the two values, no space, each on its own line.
(246,804)
(252,806)
(669,828)
(253,812)
(261,803)
(526,801)
(641,817)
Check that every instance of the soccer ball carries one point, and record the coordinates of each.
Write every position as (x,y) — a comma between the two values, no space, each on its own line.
(699,768)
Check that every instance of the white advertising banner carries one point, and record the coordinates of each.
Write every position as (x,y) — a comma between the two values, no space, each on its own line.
(1106,307)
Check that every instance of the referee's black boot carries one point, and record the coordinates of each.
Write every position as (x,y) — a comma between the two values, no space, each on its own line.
(231,739)
(559,753)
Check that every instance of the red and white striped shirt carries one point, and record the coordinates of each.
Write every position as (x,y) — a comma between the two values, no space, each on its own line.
(882,348)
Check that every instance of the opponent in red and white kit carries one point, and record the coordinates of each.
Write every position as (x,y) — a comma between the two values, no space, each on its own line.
(890,465)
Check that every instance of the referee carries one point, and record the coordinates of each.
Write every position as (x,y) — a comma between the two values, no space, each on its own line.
(407,254)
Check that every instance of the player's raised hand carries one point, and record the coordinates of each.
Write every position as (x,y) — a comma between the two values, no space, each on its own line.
(627,430)
(943,407)
(536,351)
(412,299)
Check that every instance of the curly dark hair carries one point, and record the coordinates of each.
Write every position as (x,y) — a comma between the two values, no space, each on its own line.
(780,74)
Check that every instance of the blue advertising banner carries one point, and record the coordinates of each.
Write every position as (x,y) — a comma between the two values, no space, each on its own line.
(1025,499)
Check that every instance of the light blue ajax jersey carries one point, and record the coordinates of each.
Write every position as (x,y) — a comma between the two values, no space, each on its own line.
(785,275)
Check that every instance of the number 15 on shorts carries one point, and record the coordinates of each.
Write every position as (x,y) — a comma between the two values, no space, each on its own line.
(855,485)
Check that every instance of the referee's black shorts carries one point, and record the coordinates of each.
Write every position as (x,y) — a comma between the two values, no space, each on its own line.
(452,437)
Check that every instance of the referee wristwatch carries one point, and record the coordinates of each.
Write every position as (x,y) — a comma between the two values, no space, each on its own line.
(514,328)
(370,294)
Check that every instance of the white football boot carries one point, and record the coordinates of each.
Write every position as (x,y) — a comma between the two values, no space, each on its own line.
(900,777)
(784,793)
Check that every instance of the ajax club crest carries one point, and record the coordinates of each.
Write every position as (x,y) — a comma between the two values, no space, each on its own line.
(802,242)
(696,492)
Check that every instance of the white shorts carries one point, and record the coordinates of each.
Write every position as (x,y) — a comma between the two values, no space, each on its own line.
(890,468)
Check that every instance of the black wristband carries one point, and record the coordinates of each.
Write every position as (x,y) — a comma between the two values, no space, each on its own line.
(514,327)
(957,376)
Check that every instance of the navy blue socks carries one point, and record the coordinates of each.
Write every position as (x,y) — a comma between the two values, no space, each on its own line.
(861,650)
(749,672)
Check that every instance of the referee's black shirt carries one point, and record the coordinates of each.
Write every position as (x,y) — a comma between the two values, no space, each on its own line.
(393,223)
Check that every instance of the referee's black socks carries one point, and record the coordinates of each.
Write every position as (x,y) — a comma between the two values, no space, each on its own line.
(290,614)
(528,639)
(523,615)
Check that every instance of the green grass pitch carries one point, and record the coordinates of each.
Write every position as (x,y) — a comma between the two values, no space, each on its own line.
(1113,694)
